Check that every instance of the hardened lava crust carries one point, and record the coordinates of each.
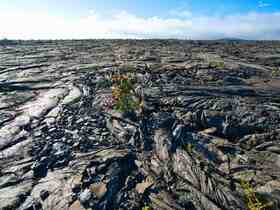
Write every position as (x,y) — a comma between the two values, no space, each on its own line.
(207,136)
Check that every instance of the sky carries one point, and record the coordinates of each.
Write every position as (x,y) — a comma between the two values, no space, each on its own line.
(140,19)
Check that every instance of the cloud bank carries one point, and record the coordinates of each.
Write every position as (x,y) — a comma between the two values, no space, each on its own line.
(122,24)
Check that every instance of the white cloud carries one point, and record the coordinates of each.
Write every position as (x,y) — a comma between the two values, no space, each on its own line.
(262,4)
(125,25)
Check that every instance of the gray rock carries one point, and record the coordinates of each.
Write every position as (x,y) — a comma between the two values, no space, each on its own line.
(85,196)
(229,80)
(8,179)
(210,116)
(11,197)
(30,204)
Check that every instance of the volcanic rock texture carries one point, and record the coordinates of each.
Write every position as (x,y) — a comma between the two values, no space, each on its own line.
(210,122)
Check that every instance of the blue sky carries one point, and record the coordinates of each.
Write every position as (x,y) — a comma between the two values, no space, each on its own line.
(192,19)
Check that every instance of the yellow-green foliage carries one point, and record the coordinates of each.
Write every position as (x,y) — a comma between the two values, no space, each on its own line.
(217,64)
(188,147)
(122,92)
(275,72)
(146,208)
(251,199)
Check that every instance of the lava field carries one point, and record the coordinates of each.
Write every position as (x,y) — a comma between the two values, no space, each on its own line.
(207,136)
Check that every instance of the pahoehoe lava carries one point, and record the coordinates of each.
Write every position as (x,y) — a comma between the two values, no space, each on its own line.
(211,120)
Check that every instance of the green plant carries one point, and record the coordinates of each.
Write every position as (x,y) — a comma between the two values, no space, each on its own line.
(122,93)
(146,208)
(188,147)
(251,198)
(217,64)
(106,83)
(275,72)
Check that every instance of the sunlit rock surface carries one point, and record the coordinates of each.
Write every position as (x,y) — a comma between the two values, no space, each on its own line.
(211,120)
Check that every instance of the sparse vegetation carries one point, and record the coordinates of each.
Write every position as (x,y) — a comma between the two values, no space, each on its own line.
(183,135)
(189,147)
(106,83)
(217,64)
(275,72)
(122,93)
(251,198)
(146,208)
